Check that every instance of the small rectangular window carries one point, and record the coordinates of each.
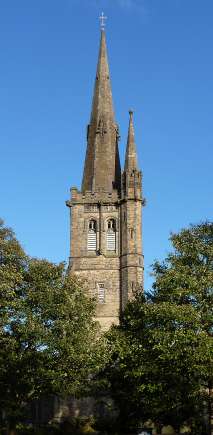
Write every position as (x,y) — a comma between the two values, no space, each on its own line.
(101,293)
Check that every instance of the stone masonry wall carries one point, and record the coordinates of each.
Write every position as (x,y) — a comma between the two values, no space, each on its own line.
(101,266)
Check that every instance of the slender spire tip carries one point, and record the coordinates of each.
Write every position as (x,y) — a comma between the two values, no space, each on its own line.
(131,114)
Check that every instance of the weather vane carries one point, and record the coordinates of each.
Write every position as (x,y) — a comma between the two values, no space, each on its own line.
(102,19)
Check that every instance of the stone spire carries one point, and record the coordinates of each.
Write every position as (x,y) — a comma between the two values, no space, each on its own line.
(102,166)
(102,99)
(131,161)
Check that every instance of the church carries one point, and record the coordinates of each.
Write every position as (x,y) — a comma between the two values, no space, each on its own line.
(106,213)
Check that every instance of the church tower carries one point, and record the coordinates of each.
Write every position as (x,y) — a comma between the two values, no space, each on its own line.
(106,240)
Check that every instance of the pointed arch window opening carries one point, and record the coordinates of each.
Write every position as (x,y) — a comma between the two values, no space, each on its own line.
(92,236)
(111,235)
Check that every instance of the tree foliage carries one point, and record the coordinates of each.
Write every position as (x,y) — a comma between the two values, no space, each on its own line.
(48,338)
(163,351)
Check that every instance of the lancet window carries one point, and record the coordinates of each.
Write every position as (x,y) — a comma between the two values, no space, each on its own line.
(92,236)
(111,235)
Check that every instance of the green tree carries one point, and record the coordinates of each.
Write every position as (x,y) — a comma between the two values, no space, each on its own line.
(162,361)
(48,338)
(186,278)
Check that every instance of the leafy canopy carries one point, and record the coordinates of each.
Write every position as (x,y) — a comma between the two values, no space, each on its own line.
(163,352)
(48,338)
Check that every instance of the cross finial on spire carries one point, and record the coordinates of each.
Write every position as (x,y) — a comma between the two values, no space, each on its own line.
(102,19)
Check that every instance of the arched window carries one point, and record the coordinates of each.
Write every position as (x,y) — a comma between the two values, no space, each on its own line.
(92,236)
(111,235)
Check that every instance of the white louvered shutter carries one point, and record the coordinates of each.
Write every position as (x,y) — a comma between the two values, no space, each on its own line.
(92,240)
(111,240)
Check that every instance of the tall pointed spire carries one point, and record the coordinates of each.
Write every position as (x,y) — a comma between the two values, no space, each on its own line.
(131,161)
(102,166)
(102,99)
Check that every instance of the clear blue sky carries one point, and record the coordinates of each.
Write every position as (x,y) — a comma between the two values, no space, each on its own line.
(161,61)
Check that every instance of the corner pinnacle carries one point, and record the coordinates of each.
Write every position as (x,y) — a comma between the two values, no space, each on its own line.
(131,154)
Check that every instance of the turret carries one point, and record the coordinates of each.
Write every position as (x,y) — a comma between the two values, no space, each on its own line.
(131,177)
(131,221)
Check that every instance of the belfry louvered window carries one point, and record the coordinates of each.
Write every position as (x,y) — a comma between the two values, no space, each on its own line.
(92,236)
(111,235)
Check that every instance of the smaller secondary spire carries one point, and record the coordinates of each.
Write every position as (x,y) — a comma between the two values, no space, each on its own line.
(131,161)
(102,19)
